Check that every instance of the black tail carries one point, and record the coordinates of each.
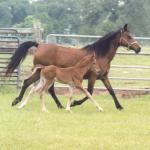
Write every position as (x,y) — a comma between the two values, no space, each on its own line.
(19,56)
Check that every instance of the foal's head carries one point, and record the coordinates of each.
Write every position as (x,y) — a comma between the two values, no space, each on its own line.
(89,62)
(127,40)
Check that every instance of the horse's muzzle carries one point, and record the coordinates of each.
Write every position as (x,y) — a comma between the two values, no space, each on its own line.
(138,50)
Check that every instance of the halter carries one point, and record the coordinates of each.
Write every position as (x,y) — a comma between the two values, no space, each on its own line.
(128,43)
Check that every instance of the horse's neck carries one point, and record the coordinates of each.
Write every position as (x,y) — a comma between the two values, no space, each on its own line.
(112,51)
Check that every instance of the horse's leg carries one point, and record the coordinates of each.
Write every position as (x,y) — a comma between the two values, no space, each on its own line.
(91,82)
(27,82)
(68,108)
(27,98)
(52,92)
(90,97)
(107,84)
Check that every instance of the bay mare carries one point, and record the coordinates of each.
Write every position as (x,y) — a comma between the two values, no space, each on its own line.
(73,76)
(50,54)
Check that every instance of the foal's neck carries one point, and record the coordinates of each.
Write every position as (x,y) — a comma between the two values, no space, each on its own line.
(84,68)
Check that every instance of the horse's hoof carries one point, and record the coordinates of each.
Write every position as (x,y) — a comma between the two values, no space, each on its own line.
(60,107)
(16,101)
(119,107)
(74,103)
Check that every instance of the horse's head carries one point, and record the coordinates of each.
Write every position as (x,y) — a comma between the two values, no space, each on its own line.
(127,40)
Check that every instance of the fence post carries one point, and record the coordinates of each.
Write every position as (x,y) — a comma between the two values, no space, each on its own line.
(38,31)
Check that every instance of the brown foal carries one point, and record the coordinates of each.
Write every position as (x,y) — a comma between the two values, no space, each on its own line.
(73,76)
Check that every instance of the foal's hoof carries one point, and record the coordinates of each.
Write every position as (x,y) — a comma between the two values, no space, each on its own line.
(100,109)
(16,101)
(69,110)
(45,110)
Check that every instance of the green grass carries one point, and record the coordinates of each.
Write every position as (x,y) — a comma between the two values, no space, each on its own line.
(84,129)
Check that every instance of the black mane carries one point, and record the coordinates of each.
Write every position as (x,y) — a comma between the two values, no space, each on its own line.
(102,45)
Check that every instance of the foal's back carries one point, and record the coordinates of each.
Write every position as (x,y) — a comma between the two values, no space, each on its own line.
(63,75)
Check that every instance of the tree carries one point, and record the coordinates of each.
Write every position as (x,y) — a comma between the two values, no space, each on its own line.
(77,16)
(28,22)
(6,16)
(19,10)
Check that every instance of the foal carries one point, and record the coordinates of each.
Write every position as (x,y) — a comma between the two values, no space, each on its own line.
(73,76)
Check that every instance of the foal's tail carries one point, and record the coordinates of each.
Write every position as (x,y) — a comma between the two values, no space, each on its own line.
(19,56)
(37,67)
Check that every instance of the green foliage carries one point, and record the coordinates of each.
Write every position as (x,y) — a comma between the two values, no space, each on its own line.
(28,22)
(5,14)
(76,16)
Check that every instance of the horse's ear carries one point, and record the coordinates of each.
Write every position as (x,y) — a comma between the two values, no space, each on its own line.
(125,28)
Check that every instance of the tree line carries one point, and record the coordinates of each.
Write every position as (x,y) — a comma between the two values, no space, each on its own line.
(95,17)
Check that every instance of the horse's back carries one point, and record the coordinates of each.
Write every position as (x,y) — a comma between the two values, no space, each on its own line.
(51,54)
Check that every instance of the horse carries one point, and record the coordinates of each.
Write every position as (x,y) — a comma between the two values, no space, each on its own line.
(72,76)
(51,54)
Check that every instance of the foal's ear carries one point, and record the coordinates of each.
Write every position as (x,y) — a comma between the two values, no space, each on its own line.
(94,54)
(125,28)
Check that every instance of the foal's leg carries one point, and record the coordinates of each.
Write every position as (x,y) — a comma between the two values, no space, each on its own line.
(89,96)
(32,91)
(44,88)
(68,108)
(27,98)
(27,82)
(91,82)
(43,107)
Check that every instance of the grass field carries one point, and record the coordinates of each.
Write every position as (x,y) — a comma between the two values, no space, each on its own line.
(84,129)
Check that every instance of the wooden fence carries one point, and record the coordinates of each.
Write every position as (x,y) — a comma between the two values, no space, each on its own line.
(10,38)
(8,45)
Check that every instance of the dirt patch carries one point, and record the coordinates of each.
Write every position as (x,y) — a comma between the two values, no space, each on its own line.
(123,93)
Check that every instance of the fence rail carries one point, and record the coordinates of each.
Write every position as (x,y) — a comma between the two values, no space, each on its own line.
(85,36)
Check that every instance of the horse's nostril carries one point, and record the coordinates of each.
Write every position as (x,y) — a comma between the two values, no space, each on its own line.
(138,50)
